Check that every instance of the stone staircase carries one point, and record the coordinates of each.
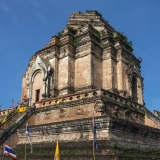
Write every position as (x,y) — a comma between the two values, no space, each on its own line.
(14,121)
(9,119)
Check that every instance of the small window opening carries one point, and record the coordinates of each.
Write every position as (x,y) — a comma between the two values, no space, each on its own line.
(37,95)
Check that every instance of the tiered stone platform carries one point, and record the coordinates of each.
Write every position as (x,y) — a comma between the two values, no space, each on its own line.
(84,151)
(117,139)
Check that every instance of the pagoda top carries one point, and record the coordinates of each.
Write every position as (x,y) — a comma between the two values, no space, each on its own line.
(92,17)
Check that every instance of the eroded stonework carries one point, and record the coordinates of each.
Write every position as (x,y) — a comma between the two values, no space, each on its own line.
(88,70)
(85,55)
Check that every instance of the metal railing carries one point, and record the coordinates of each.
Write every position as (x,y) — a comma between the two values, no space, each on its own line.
(13,120)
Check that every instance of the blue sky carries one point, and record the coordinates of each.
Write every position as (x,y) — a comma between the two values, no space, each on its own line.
(27,25)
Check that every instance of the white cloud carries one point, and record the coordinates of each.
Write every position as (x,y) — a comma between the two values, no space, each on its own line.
(8,10)
(38,12)
(34,3)
(40,16)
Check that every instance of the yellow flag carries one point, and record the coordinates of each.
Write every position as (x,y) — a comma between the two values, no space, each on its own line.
(4,120)
(57,152)
(21,109)
(7,111)
(18,108)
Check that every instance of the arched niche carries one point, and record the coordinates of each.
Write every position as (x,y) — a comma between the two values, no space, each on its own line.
(37,86)
(134,86)
(39,66)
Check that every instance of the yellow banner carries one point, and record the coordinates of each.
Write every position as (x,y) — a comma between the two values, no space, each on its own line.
(4,120)
(57,152)
(21,109)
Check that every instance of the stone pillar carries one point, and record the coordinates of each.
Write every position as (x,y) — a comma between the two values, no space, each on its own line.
(109,70)
(31,90)
(96,69)
(54,78)
(83,72)
(140,91)
(66,70)
(120,76)
(44,88)
(28,95)
(66,64)
(24,87)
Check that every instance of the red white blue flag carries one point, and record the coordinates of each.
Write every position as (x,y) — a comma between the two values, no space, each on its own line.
(94,134)
(18,102)
(9,152)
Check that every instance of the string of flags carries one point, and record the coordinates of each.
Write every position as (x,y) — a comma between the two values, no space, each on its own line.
(19,109)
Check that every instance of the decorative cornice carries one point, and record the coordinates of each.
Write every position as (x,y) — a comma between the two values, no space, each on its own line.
(72,103)
(121,101)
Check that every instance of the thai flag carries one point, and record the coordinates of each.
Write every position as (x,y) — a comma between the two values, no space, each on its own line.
(9,152)
(11,107)
(18,102)
(28,135)
(94,134)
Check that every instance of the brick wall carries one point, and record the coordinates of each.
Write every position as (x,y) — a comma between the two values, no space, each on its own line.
(151,119)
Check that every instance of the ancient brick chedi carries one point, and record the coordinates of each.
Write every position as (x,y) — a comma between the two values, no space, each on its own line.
(88,69)
(86,57)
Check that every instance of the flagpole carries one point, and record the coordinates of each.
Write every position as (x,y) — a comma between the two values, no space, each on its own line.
(25,148)
(93,151)
(3,154)
(55,151)
(93,139)
(3,151)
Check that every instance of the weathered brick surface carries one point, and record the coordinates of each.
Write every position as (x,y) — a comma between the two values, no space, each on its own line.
(116,139)
(97,72)
(81,59)
(151,119)
(86,71)
(83,72)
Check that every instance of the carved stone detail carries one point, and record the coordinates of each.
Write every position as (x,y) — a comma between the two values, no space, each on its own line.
(115,111)
(80,111)
(127,113)
(47,112)
(62,113)
(46,117)
(99,106)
